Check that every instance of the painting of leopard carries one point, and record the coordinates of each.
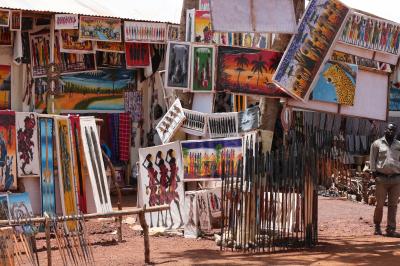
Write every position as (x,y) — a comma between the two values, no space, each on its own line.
(343,78)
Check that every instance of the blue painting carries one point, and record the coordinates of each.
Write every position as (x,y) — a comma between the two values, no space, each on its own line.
(46,127)
(336,83)
(4,213)
(308,48)
(20,206)
(394,99)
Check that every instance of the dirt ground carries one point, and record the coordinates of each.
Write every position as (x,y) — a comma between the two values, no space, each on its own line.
(345,238)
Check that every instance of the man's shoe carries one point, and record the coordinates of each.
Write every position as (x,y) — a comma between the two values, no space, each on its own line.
(392,233)
(378,230)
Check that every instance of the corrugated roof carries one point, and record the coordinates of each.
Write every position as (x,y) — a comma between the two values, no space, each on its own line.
(148,10)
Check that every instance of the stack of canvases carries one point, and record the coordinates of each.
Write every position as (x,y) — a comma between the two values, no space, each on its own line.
(340,61)
(62,152)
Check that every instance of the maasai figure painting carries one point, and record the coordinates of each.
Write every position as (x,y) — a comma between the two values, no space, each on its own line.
(246,70)
(47,182)
(19,205)
(137,55)
(69,42)
(202,26)
(99,90)
(191,229)
(145,32)
(203,159)
(214,202)
(202,73)
(110,60)
(203,210)
(98,185)
(5,87)
(161,183)
(65,171)
(40,52)
(8,151)
(27,144)
(307,51)
(79,165)
(336,83)
(100,29)
(177,68)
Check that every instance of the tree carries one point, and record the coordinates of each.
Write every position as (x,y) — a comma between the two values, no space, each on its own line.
(258,67)
(241,62)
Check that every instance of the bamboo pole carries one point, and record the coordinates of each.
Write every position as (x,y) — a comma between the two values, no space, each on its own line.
(48,244)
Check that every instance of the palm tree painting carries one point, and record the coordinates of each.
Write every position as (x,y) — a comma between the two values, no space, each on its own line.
(247,70)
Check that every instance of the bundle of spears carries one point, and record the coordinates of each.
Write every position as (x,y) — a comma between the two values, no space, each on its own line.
(271,203)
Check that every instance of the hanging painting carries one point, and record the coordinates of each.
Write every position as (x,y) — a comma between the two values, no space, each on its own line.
(394,97)
(371,33)
(40,52)
(19,205)
(69,42)
(336,83)
(245,70)
(76,63)
(161,183)
(222,125)
(99,29)
(137,55)
(4,18)
(145,32)
(308,49)
(116,47)
(66,22)
(5,37)
(4,212)
(110,60)
(202,27)
(65,171)
(16,20)
(79,166)
(202,72)
(26,53)
(47,181)
(204,4)
(8,165)
(5,87)
(171,122)
(195,123)
(27,144)
(177,68)
(173,32)
(101,90)
(189,36)
(203,159)
(249,119)
(100,201)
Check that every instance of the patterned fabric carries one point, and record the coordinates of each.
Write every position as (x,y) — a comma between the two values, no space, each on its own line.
(124,136)
(114,125)
(133,105)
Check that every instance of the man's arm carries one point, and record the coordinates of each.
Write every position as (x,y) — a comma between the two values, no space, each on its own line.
(373,157)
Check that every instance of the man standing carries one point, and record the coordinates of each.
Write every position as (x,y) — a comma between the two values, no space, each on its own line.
(385,168)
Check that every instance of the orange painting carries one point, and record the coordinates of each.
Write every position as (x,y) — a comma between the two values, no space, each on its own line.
(5,87)
(202,27)
(8,150)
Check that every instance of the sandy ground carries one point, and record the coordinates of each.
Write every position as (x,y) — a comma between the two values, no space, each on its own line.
(345,238)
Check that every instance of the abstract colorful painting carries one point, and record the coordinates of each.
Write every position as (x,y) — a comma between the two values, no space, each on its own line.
(110,60)
(19,205)
(93,157)
(116,47)
(203,159)
(145,32)
(5,37)
(202,27)
(5,87)
(47,181)
(16,20)
(65,171)
(202,73)
(69,42)
(371,33)
(4,17)
(336,83)
(8,151)
(246,70)
(4,212)
(307,51)
(100,29)
(160,182)
(101,90)
(27,144)
(137,55)
(177,68)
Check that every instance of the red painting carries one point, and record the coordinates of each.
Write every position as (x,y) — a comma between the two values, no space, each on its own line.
(249,71)
(137,55)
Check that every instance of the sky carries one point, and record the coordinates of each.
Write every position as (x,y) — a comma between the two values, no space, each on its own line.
(388,9)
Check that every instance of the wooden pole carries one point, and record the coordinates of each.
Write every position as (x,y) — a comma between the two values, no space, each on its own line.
(48,244)
(145,228)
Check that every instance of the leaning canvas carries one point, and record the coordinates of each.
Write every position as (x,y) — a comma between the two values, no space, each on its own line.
(310,47)
(161,182)
(177,68)
(19,206)
(8,146)
(27,144)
